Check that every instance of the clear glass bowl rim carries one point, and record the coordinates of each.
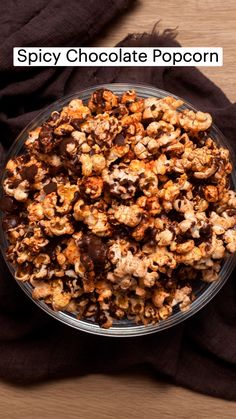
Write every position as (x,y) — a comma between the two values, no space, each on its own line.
(122,328)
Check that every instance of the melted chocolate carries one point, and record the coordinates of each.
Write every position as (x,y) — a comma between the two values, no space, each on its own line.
(87,262)
(11,221)
(76,123)
(94,248)
(50,187)
(29,172)
(8,204)
(119,139)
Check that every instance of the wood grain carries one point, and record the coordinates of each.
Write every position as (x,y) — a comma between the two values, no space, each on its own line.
(200,23)
(129,396)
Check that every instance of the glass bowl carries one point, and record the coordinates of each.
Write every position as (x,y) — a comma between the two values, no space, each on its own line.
(121,328)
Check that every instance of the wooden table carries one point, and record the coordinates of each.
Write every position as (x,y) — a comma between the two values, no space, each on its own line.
(200,23)
(140,395)
(129,396)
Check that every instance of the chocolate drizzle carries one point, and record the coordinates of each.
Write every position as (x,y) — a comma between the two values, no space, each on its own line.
(92,246)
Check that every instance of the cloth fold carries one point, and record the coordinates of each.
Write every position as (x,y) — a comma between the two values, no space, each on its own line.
(199,353)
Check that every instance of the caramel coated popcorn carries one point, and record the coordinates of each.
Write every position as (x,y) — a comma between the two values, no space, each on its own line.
(118,206)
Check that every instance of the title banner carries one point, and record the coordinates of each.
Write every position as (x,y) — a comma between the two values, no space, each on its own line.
(117,57)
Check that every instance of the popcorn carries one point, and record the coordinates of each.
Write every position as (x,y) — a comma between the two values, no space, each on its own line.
(136,106)
(165,109)
(210,275)
(102,100)
(195,121)
(98,162)
(230,239)
(159,296)
(96,220)
(75,111)
(129,96)
(148,183)
(130,265)
(211,193)
(63,129)
(164,132)
(164,238)
(130,216)
(20,192)
(141,148)
(117,152)
(57,226)
(117,206)
(41,290)
(59,298)
(103,127)
(92,186)
(162,258)
(185,247)
(121,180)
(53,292)
(147,223)
(35,239)
(66,195)
(182,297)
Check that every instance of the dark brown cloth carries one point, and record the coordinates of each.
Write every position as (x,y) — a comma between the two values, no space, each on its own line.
(201,352)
